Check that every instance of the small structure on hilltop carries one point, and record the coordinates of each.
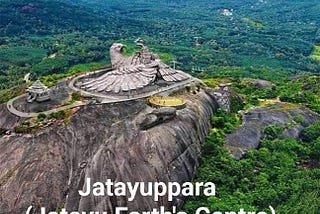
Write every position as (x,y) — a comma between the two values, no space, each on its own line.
(160,101)
(38,92)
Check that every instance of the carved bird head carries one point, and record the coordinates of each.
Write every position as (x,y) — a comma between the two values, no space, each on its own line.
(116,54)
(117,47)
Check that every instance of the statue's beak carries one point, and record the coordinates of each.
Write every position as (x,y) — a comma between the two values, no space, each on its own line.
(123,47)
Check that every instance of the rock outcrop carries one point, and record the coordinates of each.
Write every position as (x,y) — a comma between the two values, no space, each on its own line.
(47,168)
(7,120)
(157,116)
(259,83)
(292,118)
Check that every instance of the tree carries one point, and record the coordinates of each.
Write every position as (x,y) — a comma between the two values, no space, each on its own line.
(311,133)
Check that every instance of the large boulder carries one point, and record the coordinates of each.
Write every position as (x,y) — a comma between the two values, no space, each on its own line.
(259,83)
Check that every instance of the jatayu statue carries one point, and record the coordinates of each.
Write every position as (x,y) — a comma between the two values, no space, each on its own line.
(133,73)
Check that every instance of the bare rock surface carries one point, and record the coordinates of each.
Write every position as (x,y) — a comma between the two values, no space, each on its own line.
(48,168)
(7,120)
(259,83)
(249,134)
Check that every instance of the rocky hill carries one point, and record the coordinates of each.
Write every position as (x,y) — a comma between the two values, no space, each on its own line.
(48,167)
(125,142)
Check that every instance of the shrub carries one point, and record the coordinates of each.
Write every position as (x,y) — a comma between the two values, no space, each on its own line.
(298,119)
(311,133)
(42,116)
(76,96)
(2,131)
(22,129)
(272,132)
(236,104)
(58,115)
(26,123)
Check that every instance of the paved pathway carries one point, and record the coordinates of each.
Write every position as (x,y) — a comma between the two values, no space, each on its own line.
(104,99)
(14,111)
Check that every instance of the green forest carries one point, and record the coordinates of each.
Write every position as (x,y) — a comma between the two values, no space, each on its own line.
(283,173)
(217,41)
(44,41)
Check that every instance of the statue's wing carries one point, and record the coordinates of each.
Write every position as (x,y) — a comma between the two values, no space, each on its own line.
(172,75)
(122,80)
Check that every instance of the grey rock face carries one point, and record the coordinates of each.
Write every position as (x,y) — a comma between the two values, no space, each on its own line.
(259,83)
(7,120)
(102,141)
(250,133)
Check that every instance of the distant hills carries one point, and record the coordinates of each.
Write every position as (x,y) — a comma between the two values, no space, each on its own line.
(253,38)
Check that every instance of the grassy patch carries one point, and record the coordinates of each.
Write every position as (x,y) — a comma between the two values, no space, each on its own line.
(7,94)
(253,23)
(315,55)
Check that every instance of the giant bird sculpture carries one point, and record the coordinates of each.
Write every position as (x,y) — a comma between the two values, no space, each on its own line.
(133,73)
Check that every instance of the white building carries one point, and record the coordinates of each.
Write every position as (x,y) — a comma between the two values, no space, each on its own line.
(38,92)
